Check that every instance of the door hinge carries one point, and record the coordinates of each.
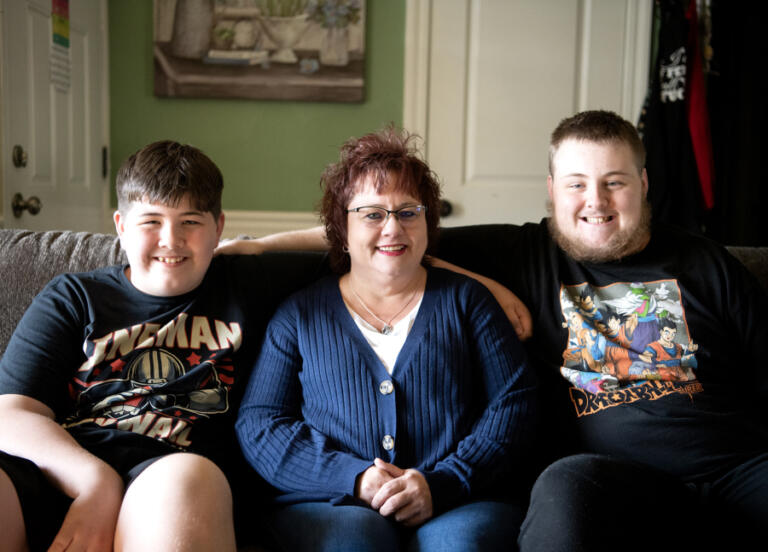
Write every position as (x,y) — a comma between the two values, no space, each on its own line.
(104,162)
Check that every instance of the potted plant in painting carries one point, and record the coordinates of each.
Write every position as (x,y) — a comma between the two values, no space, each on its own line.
(284,22)
(222,37)
(334,16)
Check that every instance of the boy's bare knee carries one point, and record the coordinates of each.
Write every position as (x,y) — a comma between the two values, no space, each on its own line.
(183,474)
(11,517)
(180,502)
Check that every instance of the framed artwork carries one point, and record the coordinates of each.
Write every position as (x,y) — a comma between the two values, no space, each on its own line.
(311,50)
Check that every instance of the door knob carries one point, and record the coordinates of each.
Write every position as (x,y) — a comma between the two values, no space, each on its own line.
(446,208)
(18,204)
(19,156)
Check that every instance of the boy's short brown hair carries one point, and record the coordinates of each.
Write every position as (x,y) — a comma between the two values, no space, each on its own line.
(167,172)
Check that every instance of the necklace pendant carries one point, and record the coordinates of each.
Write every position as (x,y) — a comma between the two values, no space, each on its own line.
(386,330)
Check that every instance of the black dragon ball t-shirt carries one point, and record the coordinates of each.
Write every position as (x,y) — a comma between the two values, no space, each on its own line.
(655,358)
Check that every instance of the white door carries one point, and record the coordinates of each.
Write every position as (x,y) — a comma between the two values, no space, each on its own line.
(488,80)
(54,114)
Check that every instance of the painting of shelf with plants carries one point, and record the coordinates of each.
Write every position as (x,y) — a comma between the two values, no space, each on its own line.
(310,50)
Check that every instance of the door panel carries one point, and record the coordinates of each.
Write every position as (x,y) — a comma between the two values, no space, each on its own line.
(491,79)
(62,128)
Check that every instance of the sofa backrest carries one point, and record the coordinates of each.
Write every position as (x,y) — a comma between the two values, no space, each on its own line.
(28,260)
(755,259)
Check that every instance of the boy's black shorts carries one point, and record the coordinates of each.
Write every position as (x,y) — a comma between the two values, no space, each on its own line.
(43,505)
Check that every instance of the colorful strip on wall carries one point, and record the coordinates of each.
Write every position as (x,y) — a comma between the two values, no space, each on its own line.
(60,52)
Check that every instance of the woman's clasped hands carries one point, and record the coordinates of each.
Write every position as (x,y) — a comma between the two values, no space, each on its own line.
(402,494)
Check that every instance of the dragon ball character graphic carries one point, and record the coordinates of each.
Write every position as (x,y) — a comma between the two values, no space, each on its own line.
(625,333)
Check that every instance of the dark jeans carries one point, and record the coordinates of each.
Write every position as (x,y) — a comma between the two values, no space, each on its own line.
(590,502)
(321,526)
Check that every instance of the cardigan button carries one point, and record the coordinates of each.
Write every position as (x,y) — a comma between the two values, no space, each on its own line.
(386,387)
(388,442)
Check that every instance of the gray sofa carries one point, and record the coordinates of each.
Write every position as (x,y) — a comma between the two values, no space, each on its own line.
(28,260)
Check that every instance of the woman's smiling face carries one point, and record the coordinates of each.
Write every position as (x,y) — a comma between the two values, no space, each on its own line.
(389,245)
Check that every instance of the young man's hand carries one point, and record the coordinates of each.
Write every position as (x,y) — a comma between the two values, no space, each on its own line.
(516,311)
(95,488)
(91,520)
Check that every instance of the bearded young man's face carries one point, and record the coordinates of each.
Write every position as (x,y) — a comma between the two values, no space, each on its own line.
(598,205)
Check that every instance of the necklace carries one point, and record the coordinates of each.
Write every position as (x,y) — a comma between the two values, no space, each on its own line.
(387,328)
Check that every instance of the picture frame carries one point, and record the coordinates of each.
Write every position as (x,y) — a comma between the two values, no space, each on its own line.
(300,50)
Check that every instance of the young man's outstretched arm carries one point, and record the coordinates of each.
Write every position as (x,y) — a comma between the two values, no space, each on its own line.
(311,239)
(30,431)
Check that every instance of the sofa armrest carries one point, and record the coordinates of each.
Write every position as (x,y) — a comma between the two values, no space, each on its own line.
(756,261)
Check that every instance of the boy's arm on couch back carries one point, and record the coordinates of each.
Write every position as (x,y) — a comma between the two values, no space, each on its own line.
(310,239)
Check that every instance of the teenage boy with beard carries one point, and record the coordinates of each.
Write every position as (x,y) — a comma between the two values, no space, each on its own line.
(654,457)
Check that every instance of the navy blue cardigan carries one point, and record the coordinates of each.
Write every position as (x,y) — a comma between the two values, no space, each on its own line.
(320,406)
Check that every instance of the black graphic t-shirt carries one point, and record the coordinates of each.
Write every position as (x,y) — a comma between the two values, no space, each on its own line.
(656,358)
(132,375)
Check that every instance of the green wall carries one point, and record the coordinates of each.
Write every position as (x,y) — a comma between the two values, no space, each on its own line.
(270,152)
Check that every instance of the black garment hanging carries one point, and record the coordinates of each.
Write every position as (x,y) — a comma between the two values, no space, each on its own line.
(738,107)
(674,186)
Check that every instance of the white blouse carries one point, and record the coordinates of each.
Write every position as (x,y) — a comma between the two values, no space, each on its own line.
(387,347)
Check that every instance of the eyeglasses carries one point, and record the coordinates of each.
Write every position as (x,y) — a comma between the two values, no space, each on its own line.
(377,216)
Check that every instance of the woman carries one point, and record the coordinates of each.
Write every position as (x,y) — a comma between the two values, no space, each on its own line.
(390,405)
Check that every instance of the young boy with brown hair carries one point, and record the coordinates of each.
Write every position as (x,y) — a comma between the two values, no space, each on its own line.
(119,387)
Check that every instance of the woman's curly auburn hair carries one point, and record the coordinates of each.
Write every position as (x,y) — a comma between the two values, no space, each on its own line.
(390,158)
